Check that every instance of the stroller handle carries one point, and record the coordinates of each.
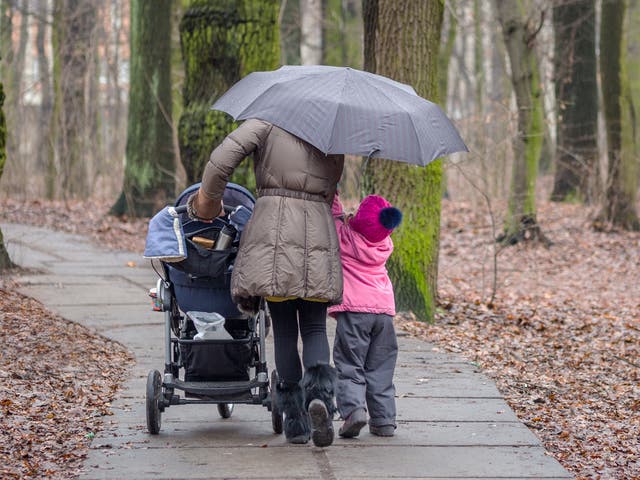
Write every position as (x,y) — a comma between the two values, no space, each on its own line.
(183,209)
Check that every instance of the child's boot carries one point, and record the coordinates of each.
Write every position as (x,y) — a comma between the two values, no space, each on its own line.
(319,387)
(353,423)
(382,430)
(290,399)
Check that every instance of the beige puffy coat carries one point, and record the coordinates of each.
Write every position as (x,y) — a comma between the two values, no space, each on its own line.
(289,247)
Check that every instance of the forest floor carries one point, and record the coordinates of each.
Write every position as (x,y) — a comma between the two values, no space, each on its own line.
(560,337)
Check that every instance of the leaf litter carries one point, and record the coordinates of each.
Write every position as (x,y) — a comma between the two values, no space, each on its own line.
(57,383)
(562,337)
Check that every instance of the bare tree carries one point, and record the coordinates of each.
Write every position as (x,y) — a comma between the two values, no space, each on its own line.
(521,222)
(74,25)
(5,261)
(311,32)
(576,90)
(14,13)
(45,154)
(619,208)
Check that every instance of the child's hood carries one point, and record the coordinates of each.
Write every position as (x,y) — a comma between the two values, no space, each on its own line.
(365,251)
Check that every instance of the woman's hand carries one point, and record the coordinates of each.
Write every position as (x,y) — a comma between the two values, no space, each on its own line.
(203,209)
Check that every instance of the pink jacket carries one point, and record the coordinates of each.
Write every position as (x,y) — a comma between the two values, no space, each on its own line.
(367,287)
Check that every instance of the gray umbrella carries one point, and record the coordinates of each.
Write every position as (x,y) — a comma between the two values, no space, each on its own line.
(343,110)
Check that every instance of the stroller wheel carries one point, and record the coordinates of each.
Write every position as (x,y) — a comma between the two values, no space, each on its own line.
(225,409)
(154,394)
(276,413)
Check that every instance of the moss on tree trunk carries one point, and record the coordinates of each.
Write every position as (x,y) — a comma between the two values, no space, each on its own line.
(521,223)
(222,41)
(401,41)
(619,209)
(149,180)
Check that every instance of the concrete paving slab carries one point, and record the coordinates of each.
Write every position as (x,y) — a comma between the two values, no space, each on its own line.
(27,257)
(103,319)
(210,463)
(452,421)
(92,295)
(444,386)
(447,462)
(454,410)
(409,410)
(244,429)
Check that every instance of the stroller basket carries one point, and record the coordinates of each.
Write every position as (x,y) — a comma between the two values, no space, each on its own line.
(218,360)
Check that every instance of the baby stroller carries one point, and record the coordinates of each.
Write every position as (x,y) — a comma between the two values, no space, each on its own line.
(229,366)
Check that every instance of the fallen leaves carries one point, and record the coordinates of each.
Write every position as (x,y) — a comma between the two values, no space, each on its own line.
(84,218)
(57,381)
(562,340)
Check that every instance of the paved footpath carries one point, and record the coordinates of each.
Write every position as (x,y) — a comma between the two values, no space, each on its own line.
(452,421)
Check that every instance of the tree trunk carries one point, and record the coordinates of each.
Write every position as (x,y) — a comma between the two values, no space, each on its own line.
(221,43)
(6,35)
(74,22)
(619,209)
(633,57)
(499,92)
(5,261)
(149,170)
(15,110)
(401,41)
(576,90)
(311,27)
(45,152)
(95,105)
(521,223)
(444,57)
(117,125)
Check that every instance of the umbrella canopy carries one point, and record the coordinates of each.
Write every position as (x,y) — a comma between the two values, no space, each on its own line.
(344,110)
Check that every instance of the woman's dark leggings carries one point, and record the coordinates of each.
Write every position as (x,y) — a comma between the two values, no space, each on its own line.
(311,317)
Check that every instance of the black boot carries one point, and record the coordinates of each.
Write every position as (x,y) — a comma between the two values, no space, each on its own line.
(319,386)
(290,400)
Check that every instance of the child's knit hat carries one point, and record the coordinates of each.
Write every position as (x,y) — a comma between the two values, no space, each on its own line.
(376,218)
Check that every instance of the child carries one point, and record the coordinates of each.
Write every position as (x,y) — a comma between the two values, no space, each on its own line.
(366,349)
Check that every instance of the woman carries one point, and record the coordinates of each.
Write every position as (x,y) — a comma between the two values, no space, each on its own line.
(289,254)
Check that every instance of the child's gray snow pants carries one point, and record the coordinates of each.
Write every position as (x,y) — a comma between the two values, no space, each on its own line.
(365,353)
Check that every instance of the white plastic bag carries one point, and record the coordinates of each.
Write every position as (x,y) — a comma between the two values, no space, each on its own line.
(210,326)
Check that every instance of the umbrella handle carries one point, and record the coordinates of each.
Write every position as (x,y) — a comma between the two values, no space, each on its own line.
(363,168)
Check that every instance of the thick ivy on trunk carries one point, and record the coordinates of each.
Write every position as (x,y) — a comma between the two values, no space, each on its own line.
(622,182)
(521,223)
(222,41)
(574,25)
(5,261)
(149,180)
(401,41)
